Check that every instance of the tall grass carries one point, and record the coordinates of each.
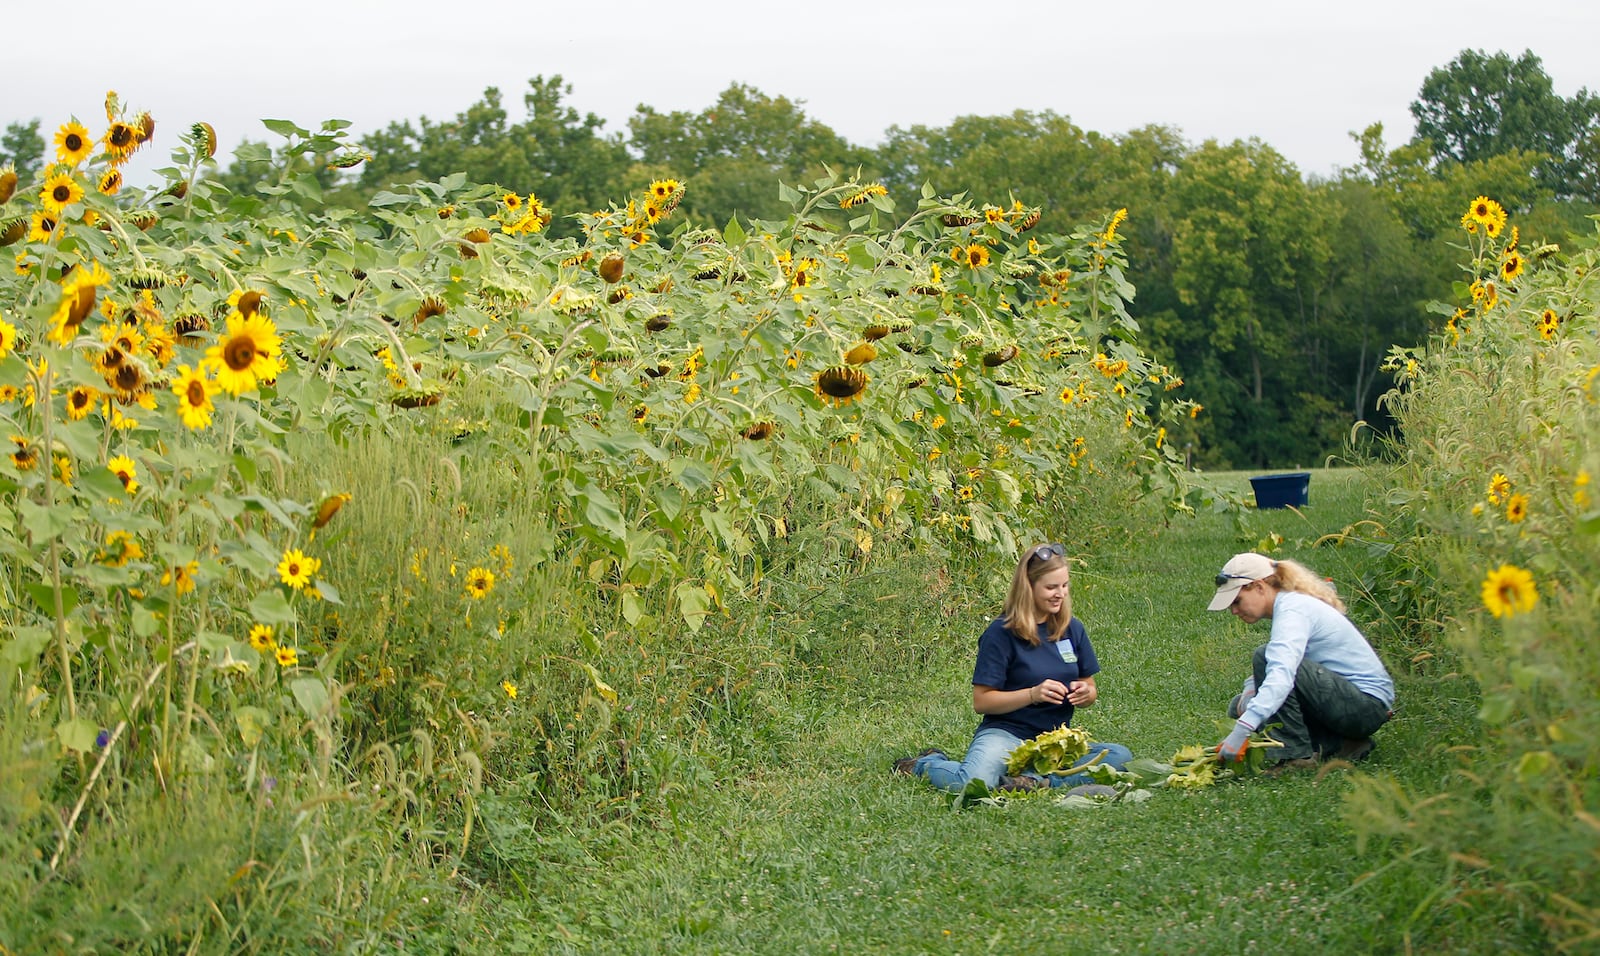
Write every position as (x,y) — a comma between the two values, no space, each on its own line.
(1497,548)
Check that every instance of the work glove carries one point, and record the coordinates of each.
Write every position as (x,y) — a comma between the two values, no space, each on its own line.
(1232,748)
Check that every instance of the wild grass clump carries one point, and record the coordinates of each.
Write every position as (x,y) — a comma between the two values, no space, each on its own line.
(1493,500)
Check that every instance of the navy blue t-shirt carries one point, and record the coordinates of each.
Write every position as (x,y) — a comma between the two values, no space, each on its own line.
(1007,662)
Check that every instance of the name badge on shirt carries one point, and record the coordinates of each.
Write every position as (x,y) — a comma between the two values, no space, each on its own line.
(1067,654)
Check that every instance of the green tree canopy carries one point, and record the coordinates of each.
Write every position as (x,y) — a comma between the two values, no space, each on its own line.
(1481,106)
(22,146)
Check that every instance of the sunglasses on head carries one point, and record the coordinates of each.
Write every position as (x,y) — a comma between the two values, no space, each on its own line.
(1044,551)
(1225,578)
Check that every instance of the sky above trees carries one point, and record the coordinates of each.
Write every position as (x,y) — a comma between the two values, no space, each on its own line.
(1301,77)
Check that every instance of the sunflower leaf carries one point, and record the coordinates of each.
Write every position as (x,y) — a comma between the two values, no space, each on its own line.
(271,607)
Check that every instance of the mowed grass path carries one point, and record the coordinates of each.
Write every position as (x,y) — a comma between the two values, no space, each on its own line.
(817,849)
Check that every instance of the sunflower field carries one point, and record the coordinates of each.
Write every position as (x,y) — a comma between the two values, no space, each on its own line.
(331,535)
(1495,565)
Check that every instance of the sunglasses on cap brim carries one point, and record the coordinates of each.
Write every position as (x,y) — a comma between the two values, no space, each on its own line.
(1223,579)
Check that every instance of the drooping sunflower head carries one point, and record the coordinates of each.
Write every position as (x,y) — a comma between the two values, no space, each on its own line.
(204,136)
(1000,356)
(110,182)
(73,144)
(121,140)
(8,182)
(126,471)
(840,385)
(873,333)
(759,431)
(860,354)
(26,455)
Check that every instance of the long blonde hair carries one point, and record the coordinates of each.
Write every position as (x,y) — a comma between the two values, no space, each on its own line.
(1293,576)
(1021,615)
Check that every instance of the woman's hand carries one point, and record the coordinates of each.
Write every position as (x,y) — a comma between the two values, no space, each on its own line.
(1081,693)
(1048,692)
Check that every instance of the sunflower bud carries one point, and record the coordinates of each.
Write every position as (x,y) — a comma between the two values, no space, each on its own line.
(205,138)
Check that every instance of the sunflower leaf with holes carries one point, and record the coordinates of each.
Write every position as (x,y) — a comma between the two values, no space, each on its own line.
(1051,752)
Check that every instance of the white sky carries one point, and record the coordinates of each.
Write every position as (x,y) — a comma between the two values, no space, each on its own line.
(1299,75)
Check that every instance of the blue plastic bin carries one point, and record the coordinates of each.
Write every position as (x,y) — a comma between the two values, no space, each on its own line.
(1281,491)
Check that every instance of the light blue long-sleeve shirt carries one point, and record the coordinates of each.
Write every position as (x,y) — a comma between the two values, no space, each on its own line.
(1305,628)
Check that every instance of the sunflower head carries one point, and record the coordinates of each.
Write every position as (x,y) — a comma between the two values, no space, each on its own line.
(204,136)
(73,144)
(861,354)
(121,140)
(840,385)
(759,431)
(1000,356)
(8,182)
(658,323)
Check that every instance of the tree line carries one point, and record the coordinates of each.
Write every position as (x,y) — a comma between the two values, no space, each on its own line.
(1277,295)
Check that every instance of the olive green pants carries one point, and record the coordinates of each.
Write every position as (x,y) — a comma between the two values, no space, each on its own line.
(1321,712)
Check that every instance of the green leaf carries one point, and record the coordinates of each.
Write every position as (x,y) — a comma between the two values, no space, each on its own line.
(1535,765)
(311,694)
(77,734)
(24,648)
(734,234)
(602,513)
(1496,709)
(271,607)
(632,608)
(44,524)
(44,598)
(788,194)
(693,603)
(252,723)
(284,128)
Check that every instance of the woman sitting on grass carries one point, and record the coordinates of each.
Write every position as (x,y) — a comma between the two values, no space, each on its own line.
(1316,676)
(1035,666)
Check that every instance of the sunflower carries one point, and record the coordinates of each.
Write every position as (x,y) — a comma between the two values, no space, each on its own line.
(60,191)
(759,431)
(861,354)
(1066,395)
(130,380)
(480,581)
(1509,590)
(126,471)
(8,338)
(840,385)
(194,390)
(121,547)
(510,687)
(993,215)
(26,457)
(121,140)
(511,200)
(873,333)
(42,226)
(975,256)
(1499,488)
(73,144)
(662,188)
(1549,325)
(286,656)
(246,302)
(81,401)
(296,569)
(330,506)
(1517,508)
(1511,266)
(8,187)
(244,353)
(110,182)
(262,640)
(640,413)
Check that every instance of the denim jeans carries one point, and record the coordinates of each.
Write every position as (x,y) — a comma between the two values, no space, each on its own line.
(986,761)
(1320,713)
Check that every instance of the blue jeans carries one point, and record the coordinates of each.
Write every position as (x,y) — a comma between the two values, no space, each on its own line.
(986,761)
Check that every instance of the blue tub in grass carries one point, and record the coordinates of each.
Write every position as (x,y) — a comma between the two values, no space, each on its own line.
(1281,491)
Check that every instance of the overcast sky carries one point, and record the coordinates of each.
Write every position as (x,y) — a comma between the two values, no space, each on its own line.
(1299,75)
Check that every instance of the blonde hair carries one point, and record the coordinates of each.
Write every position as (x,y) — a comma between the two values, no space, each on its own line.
(1021,615)
(1294,576)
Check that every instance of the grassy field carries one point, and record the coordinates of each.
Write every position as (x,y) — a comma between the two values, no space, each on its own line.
(808,845)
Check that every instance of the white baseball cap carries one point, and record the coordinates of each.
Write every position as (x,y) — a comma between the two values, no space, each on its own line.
(1240,570)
